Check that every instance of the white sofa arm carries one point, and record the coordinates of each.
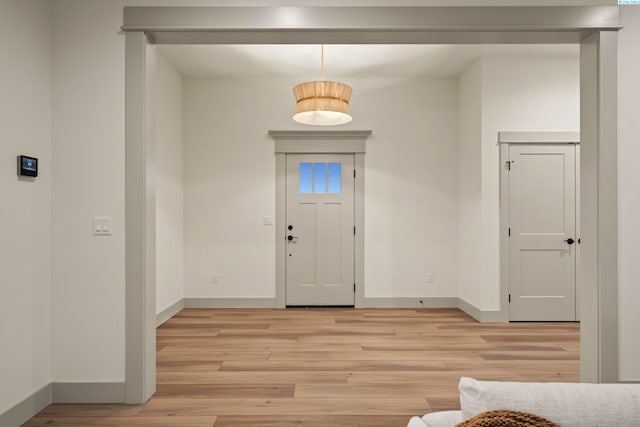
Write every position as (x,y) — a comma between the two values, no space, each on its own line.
(416,422)
(437,419)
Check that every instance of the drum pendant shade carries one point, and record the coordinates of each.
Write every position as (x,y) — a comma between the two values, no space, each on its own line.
(322,103)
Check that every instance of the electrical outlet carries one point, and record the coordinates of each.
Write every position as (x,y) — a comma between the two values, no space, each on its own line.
(215,279)
(430,278)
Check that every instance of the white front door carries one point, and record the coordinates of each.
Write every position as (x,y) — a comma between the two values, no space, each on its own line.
(542,241)
(320,230)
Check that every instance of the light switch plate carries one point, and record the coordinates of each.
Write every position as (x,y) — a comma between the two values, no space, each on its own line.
(267,220)
(101,225)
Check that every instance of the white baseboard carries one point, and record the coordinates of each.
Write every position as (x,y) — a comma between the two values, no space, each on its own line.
(403,302)
(88,392)
(493,316)
(482,316)
(229,303)
(62,393)
(410,302)
(28,408)
(169,312)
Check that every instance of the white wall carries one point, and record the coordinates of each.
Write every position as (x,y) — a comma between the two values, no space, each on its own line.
(25,209)
(88,180)
(410,184)
(169,186)
(628,195)
(229,183)
(469,190)
(539,93)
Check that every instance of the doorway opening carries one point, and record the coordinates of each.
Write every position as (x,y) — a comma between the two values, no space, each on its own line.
(457,26)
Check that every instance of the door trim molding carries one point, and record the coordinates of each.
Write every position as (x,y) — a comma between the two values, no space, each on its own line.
(536,137)
(318,142)
(539,137)
(503,312)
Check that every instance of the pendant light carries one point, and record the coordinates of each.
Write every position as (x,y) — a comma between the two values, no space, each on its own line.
(322,103)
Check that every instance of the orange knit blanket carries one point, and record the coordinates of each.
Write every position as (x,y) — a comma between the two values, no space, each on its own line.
(506,418)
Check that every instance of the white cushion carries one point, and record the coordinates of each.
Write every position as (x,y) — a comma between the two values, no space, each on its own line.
(567,404)
(443,419)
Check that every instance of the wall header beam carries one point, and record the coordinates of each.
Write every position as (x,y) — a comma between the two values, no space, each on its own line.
(265,25)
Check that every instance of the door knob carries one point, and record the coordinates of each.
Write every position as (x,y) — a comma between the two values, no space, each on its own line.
(290,238)
(570,241)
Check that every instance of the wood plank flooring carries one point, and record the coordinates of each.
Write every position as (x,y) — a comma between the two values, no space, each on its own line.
(328,367)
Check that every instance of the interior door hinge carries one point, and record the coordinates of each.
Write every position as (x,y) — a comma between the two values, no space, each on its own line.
(509,231)
(354,288)
(509,298)
(508,164)
(354,231)
(354,173)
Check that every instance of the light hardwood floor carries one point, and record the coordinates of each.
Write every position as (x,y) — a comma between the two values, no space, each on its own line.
(328,367)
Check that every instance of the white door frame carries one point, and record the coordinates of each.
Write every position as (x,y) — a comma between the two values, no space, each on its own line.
(594,27)
(538,138)
(318,142)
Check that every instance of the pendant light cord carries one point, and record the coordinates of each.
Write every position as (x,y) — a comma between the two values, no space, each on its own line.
(322,64)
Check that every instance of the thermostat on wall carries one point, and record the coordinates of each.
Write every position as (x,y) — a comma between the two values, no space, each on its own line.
(27,166)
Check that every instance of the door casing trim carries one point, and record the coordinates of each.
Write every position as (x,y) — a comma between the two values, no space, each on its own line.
(318,142)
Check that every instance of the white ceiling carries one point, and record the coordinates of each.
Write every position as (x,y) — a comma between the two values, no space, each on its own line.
(340,60)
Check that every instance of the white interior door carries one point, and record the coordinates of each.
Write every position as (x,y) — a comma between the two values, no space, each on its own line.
(320,230)
(542,241)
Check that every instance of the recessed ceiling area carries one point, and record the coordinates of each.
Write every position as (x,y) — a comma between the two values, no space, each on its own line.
(340,60)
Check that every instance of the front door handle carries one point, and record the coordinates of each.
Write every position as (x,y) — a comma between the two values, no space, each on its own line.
(570,241)
(290,237)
